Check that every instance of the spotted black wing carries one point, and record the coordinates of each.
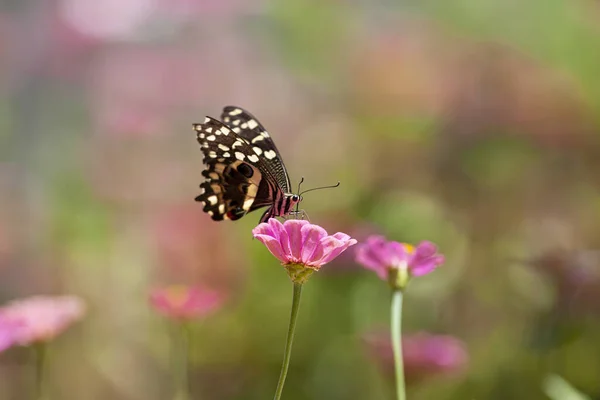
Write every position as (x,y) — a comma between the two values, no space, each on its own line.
(247,126)
(237,180)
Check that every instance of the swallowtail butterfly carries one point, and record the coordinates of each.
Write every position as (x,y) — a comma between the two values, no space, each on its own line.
(244,170)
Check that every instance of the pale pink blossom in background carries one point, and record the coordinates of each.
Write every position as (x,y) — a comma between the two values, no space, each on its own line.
(184,302)
(425,354)
(300,242)
(42,318)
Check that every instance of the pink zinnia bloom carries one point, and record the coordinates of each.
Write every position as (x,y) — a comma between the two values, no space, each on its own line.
(382,256)
(185,302)
(42,318)
(300,242)
(425,355)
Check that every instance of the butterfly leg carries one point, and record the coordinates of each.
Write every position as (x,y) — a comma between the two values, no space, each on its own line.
(300,214)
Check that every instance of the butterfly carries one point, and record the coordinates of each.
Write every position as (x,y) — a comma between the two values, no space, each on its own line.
(244,170)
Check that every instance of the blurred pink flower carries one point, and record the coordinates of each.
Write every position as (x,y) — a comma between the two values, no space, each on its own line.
(185,302)
(381,256)
(9,330)
(300,242)
(42,318)
(425,355)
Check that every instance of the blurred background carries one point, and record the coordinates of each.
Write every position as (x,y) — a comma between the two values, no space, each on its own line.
(473,124)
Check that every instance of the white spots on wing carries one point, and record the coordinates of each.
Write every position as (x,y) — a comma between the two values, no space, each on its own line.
(209,129)
(224,131)
(226,154)
(223,147)
(236,129)
(258,138)
(226,119)
(211,138)
(248,203)
(206,120)
(236,122)
(252,124)
(221,208)
(202,190)
(270,154)
(237,143)
(253,158)
(209,212)
(212,199)
(204,145)
(244,126)
(212,154)
(235,111)
(201,135)
(257,150)
(240,156)
(265,134)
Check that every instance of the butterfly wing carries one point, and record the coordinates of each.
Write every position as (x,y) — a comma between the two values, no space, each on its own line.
(237,179)
(247,126)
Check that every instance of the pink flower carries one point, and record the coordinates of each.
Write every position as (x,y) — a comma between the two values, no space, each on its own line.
(8,332)
(42,318)
(382,256)
(300,242)
(184,302)
(424,354)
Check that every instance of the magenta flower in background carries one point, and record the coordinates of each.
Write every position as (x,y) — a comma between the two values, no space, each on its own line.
(425,355)
(383,256)
(185,302)
(300,242)
(42,318)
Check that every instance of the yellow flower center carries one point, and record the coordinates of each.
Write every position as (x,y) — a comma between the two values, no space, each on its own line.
(409,248)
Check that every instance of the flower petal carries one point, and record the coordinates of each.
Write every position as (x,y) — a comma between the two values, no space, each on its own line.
(264,229)
(276,227)
(293,228)
(312,250)
(334,245)
(373,255)
(427,266)
(281,236)
(425,259)
(274,247)
(398,254)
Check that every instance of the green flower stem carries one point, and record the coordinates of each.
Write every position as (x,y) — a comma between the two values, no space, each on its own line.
(397,343)
(181,346)
(290,339)
(40,353)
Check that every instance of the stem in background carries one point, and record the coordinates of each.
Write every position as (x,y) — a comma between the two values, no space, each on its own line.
(180,347)
(40,353)
(290,339)
(396,331)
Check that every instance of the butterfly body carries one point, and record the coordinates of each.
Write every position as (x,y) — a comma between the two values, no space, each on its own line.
(244,170)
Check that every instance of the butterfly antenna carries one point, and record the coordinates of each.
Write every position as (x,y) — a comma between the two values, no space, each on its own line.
(298,204)
(321,187)
(300,183)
